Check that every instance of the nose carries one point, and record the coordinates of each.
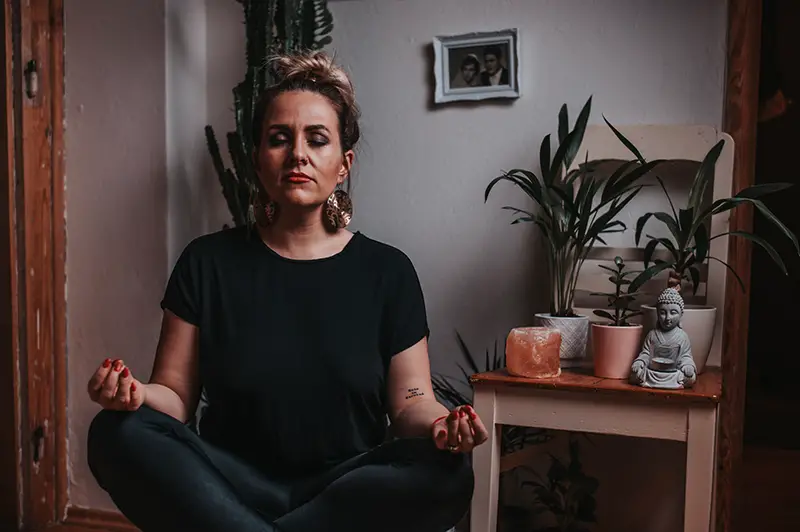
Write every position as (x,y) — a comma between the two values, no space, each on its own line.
(299,154)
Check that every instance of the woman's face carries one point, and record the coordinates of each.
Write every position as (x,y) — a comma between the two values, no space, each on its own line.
(300,161)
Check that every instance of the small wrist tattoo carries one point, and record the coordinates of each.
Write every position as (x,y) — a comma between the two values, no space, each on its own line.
(414,392)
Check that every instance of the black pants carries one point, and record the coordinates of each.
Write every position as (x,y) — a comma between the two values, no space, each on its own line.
(164,477)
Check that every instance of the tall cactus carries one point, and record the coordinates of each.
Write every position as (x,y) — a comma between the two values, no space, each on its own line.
(271,26)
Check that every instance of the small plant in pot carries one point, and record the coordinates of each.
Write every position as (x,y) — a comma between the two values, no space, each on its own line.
(616,344)
(688,245)
(576,208)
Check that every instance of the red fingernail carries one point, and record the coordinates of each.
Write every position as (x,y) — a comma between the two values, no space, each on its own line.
(106,362)
(133,386)
(461,413)
(125,373)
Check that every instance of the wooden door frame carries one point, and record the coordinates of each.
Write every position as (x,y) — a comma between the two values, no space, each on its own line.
(740,121)
(33,260)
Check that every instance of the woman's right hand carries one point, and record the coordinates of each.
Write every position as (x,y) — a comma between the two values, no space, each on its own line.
(113,387)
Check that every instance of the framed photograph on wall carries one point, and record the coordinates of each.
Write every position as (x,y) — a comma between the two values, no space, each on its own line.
(477,66)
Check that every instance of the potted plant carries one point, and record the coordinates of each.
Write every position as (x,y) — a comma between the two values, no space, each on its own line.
(616,344)
(271,26)
(688,244)
(576,208)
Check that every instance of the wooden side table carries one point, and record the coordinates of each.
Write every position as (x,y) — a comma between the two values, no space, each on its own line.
(580,402)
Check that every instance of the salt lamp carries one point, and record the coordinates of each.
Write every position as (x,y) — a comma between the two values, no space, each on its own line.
(533,352)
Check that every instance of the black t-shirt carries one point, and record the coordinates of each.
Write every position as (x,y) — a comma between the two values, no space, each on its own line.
(294,354)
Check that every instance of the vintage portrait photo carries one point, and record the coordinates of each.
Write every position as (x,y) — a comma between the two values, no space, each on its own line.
(477,66)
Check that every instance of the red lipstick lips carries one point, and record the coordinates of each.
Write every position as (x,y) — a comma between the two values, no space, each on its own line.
(297,177)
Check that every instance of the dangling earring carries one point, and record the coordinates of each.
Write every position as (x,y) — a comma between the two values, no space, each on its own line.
(338,209)
(264,213)
(270,212)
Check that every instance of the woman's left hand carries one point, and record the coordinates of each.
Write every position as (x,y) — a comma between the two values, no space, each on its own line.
(459,432)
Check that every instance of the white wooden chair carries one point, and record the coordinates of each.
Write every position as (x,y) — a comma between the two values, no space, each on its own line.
(687,145)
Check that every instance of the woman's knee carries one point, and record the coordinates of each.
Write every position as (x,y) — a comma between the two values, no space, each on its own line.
(116,438)
(457,485)
(449,487)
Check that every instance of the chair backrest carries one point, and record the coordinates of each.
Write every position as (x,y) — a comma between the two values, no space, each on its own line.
(685,146)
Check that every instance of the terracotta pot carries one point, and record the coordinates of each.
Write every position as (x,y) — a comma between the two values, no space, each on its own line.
(574,336)
(614,349)
(698,321)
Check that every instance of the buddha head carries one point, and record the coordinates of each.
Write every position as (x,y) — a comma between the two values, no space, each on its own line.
(670,309)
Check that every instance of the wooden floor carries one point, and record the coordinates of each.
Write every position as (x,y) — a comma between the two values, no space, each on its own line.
(771,491)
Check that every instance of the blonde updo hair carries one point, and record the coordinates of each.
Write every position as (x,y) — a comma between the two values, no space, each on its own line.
(312,71)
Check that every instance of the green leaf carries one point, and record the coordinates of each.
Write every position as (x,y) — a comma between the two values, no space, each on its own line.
(563,124)
(669,199)
(640,223)
(685,222)
(701,243)
(559,158)
(694,273)
(764,244)
(731,203)
(624,182)
(544,158)
(704,175)
(671,224)
(519,211)
(757,191)
(604,314)
(579,130)
(648,274)
(649,249)
(739,279)
(628,144)
(526,186)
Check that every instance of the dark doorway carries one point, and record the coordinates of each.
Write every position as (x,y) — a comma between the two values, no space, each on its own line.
(771,458)
(773,363)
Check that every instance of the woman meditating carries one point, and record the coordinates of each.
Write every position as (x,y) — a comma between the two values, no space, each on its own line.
(305,337)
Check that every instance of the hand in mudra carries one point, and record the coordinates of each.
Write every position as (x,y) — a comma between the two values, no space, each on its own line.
(637,369)
(461,431)
(113,387)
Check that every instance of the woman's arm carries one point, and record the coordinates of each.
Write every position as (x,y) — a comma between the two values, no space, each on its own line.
(412,404)
(174,386)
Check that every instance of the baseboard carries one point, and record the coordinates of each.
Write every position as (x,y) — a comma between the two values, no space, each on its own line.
(92,519)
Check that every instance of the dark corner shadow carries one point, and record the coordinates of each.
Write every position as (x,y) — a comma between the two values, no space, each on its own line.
(430,82)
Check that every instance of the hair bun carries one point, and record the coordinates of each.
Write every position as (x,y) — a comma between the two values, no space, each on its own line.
(314,66)
(315,71)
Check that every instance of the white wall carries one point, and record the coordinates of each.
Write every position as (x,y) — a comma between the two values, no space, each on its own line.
(116,200)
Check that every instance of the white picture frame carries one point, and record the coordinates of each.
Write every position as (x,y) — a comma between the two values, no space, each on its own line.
(455,57)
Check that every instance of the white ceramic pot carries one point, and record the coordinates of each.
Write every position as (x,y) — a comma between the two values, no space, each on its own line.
(698,321)
(574,336)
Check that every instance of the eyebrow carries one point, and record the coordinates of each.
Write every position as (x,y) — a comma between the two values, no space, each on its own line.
(313,127)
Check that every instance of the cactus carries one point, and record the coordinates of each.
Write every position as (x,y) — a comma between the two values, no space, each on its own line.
(271,26)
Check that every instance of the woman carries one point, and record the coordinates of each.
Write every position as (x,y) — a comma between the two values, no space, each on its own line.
(305,337)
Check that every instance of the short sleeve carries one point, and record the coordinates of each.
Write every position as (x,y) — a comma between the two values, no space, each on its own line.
(182,295)
(405,320)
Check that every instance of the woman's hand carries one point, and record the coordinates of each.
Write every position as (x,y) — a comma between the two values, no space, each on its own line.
(459,432)
(113,387)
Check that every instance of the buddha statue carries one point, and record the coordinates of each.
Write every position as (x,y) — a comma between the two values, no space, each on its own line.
(666,357)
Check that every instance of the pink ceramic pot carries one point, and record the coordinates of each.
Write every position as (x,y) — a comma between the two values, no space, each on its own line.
(614,349)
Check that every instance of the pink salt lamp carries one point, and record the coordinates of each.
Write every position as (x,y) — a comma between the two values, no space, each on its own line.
(533,352)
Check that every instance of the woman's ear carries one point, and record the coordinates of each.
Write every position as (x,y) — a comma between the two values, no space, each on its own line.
(347,165)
